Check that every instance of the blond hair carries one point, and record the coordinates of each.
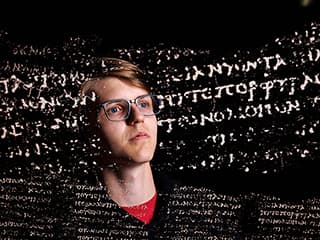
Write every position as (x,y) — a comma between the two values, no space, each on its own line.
(118,68)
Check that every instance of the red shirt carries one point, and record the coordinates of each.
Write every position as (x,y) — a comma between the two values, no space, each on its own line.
(144,212)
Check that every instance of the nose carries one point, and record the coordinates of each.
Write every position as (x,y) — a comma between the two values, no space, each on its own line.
(135,115)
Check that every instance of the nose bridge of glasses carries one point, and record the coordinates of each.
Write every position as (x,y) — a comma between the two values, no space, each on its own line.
(134,112)
(130,102)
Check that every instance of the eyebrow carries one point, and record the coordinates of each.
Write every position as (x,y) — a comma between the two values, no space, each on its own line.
(115,99)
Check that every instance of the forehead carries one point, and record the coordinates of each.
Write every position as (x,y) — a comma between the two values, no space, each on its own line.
(111,87)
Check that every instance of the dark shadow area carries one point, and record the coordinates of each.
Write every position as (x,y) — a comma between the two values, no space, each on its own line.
(223,26)
(298,182)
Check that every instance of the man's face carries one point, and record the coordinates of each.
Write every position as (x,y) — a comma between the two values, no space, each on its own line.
(128,141)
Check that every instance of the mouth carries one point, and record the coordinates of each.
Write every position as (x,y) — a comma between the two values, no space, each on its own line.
(139,136)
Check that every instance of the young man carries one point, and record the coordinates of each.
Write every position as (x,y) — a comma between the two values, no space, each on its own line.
(132,202)
(127,126)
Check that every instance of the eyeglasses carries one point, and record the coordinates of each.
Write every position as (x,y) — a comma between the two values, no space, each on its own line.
(120,109)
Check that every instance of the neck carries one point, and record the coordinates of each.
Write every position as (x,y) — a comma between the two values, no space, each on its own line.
(130,185)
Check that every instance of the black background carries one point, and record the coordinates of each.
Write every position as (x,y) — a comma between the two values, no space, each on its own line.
(224,26)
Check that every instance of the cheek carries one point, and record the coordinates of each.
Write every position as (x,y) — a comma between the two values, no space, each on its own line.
(110,134)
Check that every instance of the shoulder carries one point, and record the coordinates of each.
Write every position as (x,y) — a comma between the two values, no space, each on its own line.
(200,211)
(176,189)
(207,196)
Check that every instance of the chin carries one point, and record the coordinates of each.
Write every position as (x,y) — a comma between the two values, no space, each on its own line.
(142,158)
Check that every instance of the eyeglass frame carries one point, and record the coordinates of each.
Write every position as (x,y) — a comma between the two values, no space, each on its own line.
(104,104)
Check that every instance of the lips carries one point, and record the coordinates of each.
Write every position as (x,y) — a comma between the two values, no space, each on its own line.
(140,136)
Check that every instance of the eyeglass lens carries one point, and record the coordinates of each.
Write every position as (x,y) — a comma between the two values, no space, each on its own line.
(120,109)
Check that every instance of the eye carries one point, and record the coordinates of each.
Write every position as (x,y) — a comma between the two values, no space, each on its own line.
(115,108)
(144,104)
